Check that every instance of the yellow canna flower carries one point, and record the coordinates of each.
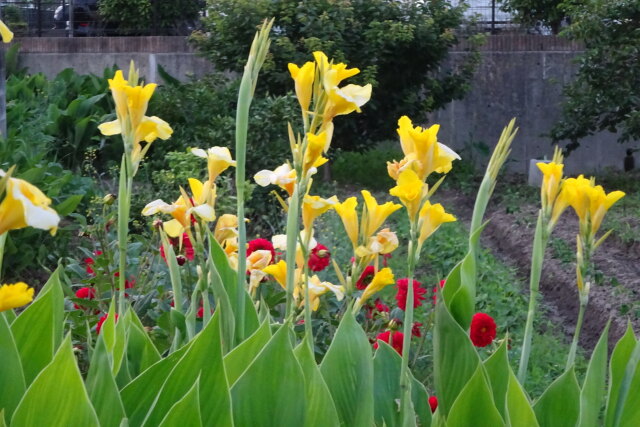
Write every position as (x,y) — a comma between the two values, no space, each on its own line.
(381,279)
(256,262)
(15,295)
(6,33)
(431,217)
(226,228)
(395,168)
(218,160)
(303,78)
(349,216)
(577,193)
(384,242)
(313,207)
(333,73)
(313,154)
(181,210)
(230,247)
(409,190)
(421,146)
(24,205)
(137,101)
(376,214)
(318,288)
(551,180)
(279,272)
(600,204)
(283,176)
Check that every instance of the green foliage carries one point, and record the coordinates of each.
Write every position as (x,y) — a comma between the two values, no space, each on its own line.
(383,38)
(149,16)
(608,28)
(364,168)
(531,12)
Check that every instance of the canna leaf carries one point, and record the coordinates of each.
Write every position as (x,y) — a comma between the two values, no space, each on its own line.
(617,366)
(71,405)
(102,388)
(497,367)
(240,358)
(11,376)
(474,405)
(518,407)
(141,353)
(271,391)
(592,392)
(559,405)
(38,329)
(347,369)
(455,358)
(186,411)
(321,411)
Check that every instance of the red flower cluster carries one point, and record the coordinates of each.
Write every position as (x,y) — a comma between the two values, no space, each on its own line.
(401,296)
(396,340)
(366,277)
(319,258)
(84,293)
(101,321)
(261,245)
(89,264)
(381,307)
(128,283)
(415,330)
(187,249)
(483,330)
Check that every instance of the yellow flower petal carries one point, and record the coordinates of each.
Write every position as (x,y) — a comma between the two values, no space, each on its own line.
(303,78)
(409,190)
(25,205)
(173,228)
(382,279)
(6,33)
(431,217)
(15,295)
(110,128)
(347,212)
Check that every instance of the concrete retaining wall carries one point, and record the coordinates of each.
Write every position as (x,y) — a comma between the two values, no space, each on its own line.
(522,77)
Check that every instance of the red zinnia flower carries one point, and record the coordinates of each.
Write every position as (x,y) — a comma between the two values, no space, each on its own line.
(435,291)
(128,283)
(89,263)
(319,258)
(366,277)
(415,330)
(433,402)
(401,296)
(396,340)
(483,330)
(381,307)
(84,293)
(200,313)
(101,321)
(261,244)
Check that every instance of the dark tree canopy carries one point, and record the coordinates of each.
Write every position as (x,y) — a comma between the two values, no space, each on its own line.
(399,46)
(605,94)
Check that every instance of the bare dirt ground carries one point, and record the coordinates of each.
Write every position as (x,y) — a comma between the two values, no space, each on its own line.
(510,238)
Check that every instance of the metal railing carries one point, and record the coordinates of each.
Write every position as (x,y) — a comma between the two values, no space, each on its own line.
(487,16)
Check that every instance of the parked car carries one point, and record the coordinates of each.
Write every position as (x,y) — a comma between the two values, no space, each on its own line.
(85,17)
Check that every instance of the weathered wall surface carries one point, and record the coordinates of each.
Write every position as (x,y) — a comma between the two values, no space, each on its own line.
(522,77)
(94,54)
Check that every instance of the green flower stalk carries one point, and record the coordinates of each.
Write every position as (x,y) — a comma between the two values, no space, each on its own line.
(257,56)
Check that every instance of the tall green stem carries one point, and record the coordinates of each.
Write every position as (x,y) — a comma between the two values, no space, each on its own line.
(3,240)
(405,383)
(293,215)
(124,205)
(537,259)
(576,334)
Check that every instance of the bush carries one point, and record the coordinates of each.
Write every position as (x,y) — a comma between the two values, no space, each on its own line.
(364,168)
(150,16)
(381,37)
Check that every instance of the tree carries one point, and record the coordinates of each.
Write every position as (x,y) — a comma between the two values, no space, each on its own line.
(605,94)
(530,12)
(399,46)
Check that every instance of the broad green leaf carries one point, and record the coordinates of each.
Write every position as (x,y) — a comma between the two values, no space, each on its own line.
(497,368)
(140,352)
(617,366)
(102,388)
(559,405)
(11,376)
(271,391)
(347,369)
(229,278)
(594,383)
(386,390)
(474,405)
(69,407)
(69,205)
(38,330)
(223,302)
(203,359)
(186,411)
(518,407)
(240,358)
(140,394)
(321,411)
(629,414)
(114,336)
(2,422)
(455,358)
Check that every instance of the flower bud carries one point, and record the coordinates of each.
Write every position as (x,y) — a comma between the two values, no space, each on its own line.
(181,260)
(157,224)
(109,199)
(323,253)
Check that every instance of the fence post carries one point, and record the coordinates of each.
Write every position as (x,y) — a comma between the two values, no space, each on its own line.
(493,16)
(71,18)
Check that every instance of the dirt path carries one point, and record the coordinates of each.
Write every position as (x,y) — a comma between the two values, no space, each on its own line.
(510,238)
